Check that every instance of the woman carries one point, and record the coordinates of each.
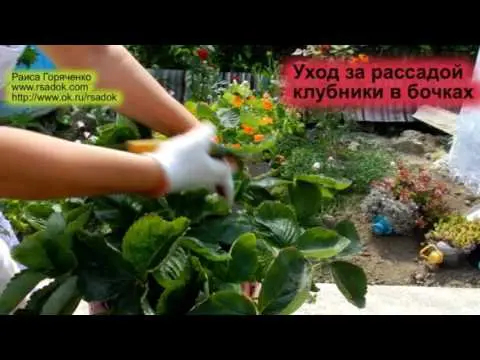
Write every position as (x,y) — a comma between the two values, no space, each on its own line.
(36,166)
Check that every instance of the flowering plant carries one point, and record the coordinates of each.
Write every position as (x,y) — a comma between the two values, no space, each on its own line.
(420,188)
(202,74)
(245,120)
(345,52)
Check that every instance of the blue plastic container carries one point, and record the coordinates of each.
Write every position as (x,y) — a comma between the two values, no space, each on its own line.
(42,62)
(382,226)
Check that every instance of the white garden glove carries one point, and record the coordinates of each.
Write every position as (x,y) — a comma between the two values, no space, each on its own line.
(189,166)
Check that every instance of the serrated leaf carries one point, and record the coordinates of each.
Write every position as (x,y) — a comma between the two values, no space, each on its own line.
(180,296)
(337,184)
(228,118)
(148,241)
(102,272)
(319,243)
(61,297)
(347,229)
(17,290)
(32,254)
(279,223)
(222,231)
(208,252)
(243,263)
(351,281)
(306,198)
(40,296)
(265,255)
(287,277)
(226,303)
(171,267)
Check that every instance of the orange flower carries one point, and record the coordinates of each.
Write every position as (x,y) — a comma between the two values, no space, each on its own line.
(267,104)
(258,137)
(248,129)
(363,58)
(266,121)
(237,101)
(235,146)
(353,60)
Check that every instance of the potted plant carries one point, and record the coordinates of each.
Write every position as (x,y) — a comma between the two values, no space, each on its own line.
(422,198)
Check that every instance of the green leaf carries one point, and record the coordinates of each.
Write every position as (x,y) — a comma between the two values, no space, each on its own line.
(226,303)
(228,118)
(179,297)
(171,267)
(326,194)
(39,297)
(206,251)
(32,253)
(17,290)
(222,231)
(279,223)
(123,121)
(205,113)
(55,225)
(191,106)
(148,241)
(351,281)
(78,218)
(337,184)
(244,260)
(319,243)
(114,134)
(62,297)
(247,118)
(286,279)
(305,198)
(266,255)
(269,182)
(38,210)
(197,205)
(102,271)
(347,229)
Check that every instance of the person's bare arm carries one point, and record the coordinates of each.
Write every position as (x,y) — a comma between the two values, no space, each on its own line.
(56,168)
(145,100)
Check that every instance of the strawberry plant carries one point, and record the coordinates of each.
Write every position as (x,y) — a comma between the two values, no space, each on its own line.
(187,253)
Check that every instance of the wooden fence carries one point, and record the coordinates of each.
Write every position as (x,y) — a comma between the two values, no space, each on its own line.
(175,80)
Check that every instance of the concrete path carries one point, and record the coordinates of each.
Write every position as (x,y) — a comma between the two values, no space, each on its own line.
(397,300)
(388,300)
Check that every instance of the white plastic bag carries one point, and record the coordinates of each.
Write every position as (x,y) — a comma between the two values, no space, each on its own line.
(464,156)
(8,240)
(8,267)
(9,55)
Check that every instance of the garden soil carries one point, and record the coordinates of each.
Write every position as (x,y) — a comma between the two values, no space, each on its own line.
(394,260)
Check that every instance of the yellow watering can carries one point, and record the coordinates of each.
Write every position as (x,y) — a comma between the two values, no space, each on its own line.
(432,255)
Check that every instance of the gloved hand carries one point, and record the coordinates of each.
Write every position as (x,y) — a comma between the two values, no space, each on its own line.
(188,165)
